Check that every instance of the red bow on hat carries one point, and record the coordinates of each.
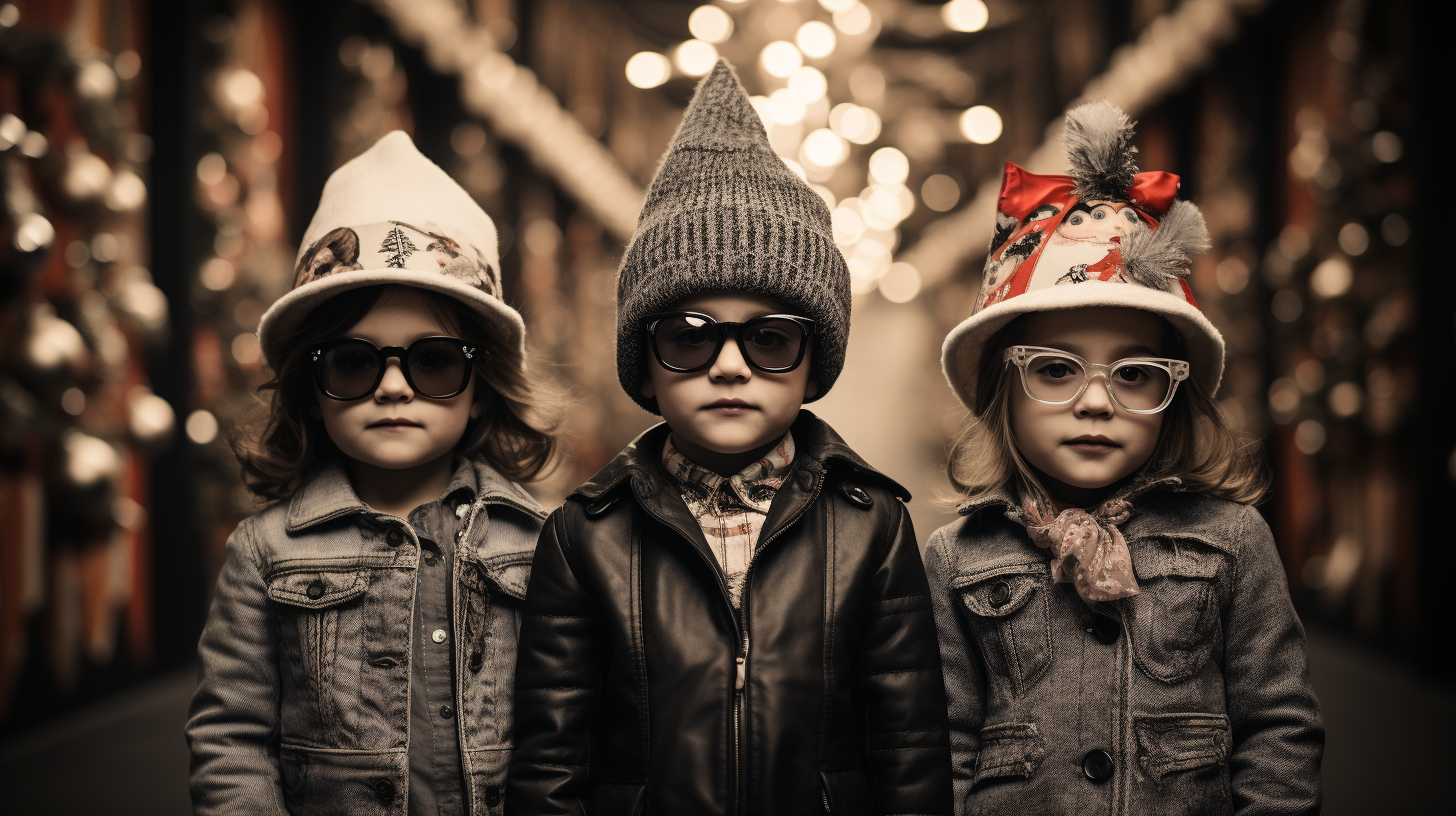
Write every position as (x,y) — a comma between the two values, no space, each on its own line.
(1023,191)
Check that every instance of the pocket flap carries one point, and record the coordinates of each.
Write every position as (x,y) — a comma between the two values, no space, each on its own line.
(1169,743)
(1003,592)
(509,572)
(1009,749)
(1161,557)
(317,589)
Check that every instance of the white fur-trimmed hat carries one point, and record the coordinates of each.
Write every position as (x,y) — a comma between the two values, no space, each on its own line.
(390,215)
(1106,235)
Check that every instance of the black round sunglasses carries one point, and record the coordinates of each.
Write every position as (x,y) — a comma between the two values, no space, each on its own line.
(435,367)
(690,341)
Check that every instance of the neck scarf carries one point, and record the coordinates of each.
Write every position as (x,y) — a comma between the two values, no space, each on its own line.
(1088,551)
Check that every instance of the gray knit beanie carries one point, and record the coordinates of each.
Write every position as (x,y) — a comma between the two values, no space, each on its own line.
(725,213)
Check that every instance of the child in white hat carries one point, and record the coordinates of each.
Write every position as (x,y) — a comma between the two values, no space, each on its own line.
(360,652)
(1115,626)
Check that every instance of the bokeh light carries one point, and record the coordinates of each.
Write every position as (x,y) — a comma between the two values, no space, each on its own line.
(784,108)
(981,124)
(711,24)
(855,123)
(648,69)
(940,192)
(854,20)
(825,148)
(808,85)
(901,283)
(780,58)
(696,57)
(816,39)
(889,166)
(965,15)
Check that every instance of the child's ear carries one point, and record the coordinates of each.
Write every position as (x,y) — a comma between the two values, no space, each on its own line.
(811,388)
(476,409)
(647,390)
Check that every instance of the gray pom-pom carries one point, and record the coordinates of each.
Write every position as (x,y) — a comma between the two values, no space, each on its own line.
(1099,145)
(1157,259)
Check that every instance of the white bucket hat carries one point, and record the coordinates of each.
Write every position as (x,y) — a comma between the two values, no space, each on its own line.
(1106,235)
(390,215)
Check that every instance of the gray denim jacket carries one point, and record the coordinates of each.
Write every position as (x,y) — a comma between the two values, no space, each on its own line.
(302,705)
(1191,697)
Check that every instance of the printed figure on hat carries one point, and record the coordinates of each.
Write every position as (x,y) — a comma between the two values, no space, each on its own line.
(398,245)
(1115,629)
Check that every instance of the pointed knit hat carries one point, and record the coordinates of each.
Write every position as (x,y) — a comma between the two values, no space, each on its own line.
(390,215)
(724,213)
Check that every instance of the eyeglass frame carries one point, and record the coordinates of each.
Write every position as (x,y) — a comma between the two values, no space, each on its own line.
(805,324)
(384,355)
(1021,356)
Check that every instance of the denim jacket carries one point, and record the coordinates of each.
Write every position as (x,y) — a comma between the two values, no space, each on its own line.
(302,704)
(1191,697)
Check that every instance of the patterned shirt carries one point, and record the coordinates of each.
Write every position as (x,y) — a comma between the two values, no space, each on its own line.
(731,510)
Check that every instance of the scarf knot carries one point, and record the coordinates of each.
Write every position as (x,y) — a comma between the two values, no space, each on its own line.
(1088,550)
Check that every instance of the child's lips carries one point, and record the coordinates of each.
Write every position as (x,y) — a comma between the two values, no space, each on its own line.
(730,407)
(1092,444)
(391,424)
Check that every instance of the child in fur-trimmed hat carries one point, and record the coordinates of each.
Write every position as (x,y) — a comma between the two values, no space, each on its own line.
(1114,622)
(732,616)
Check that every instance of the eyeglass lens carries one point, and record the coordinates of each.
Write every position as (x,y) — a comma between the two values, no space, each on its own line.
(1137,386)
(435,368)
(688,342)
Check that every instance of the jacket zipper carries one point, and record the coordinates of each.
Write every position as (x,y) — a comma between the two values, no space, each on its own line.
(741,682)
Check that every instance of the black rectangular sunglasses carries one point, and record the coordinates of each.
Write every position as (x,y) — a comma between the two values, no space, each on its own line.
(690,341)
(435,367)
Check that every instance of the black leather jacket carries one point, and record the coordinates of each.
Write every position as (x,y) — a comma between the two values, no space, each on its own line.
(640,690)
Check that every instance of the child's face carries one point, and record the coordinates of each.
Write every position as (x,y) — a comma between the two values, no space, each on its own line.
(1089,443)
(393,427)
(729,408)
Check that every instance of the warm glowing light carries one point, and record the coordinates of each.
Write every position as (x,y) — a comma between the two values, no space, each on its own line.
(889,166)
(940,193)
(857,124)
(696,57)
(832,6)
(981,124)
(784,108)
(884,207)
(825,148)
(965,15)
(1332,278)
(808,85)
(797,168)
(201,427)
(647,69)
(781,58)
(710,23)
(901,283)
(816,39)
(847,223)
(854,20)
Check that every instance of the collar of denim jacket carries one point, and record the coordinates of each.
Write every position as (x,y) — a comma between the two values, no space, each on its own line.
(1002,498)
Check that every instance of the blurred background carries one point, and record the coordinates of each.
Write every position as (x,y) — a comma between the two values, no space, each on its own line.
(159,162)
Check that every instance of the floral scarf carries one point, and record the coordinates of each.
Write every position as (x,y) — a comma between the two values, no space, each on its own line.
(1088,550)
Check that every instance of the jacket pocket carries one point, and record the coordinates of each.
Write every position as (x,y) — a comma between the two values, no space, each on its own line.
(1173,743)
(1174,617)
(1009,612)
(1008,751)
(845,792)
(617,799)
(308,606)
(487,769)
(342,783)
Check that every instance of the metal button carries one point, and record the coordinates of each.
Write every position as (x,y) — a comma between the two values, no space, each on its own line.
(438,636)
(1097,765)
(493,795)
(394,537)
(429,557)
(315,590)
(857,495)
(446,711)
(1000,594)
(384,789)
(1106,629)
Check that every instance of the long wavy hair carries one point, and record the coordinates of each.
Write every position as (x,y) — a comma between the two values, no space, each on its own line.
(515,432)
(1196,444)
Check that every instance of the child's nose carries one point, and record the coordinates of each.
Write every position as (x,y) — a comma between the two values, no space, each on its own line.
(393,386)
(730,364)
(1094,401)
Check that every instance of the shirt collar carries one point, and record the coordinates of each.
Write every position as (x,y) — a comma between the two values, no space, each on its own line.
(328,494)
(755,485)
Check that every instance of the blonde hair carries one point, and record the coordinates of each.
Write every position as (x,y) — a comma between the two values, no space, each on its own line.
(1195,444)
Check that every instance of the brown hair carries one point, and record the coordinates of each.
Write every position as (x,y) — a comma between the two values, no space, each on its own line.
(1195,444)
(515,432)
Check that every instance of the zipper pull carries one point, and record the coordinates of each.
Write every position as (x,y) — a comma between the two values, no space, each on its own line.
(742,673)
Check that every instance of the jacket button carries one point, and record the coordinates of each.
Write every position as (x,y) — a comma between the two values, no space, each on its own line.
(857,495)
(394,537)
(1106,629)
(446,712)
(1000,594)
(493,795)
(315,590)
(1097,765)
(384,789)
(476,661)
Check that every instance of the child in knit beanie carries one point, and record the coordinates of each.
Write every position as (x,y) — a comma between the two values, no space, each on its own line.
(732,616)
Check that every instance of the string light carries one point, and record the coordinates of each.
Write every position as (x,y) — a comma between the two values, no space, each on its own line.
(825,148)
(780,58)
(696,57)
(854,20)
(855,123)
(981,124)
(889,166)
(647,69)
(808,85)
(816,39)
(711,24)
(965,15)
